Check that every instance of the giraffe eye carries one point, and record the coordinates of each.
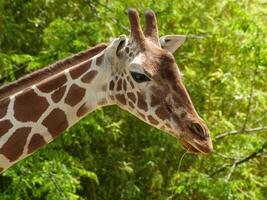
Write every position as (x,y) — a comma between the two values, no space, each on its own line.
(139,78)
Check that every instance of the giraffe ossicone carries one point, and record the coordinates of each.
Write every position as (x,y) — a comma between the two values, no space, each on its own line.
(139,74)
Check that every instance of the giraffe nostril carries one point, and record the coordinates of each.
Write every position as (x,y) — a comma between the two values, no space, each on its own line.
(199,130)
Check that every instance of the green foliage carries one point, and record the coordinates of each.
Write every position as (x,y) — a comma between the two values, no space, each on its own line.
(112,155)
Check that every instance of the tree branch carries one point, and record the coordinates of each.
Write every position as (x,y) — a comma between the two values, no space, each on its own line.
(235,132)
(61,192)
(236,163)
(253,82)
(112,11)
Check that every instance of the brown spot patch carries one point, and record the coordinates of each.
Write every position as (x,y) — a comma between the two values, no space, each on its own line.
(82,110)
(28,106)
(155,100)
(87,78)
(131,96)
(152,120)
(77,71)
(75,95)
(36,142)
(4,105)
(56,122)
(52,83)
(121,98)
(1,169)
(124,85)
(162,113)
(58,94)
(5,126)
(13,148)
(111,85)
(142,115)
(119,86)
(49,71)
(127,49)
(163,128)
(99,60)
(169,126)
(157,96)
(141,102)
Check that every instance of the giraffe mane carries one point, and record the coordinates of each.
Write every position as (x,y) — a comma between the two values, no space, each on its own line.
(48,71)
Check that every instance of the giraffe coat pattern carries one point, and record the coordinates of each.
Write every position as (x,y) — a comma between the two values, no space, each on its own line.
(138,74)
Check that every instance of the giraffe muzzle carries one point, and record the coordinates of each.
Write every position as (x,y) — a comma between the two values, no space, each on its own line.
(196,139)
(194,145)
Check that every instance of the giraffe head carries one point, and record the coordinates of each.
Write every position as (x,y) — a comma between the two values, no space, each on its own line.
(146,82)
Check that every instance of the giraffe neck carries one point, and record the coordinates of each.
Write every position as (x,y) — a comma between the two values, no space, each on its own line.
(46,72)
(36,115)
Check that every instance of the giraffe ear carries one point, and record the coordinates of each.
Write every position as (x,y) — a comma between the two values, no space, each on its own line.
(172,42)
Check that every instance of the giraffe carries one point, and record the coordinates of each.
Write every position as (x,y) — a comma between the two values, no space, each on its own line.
(139,74)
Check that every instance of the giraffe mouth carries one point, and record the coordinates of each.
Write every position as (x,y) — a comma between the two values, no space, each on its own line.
(196,147)
(190,148)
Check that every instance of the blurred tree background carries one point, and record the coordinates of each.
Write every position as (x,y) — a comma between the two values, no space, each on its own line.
(112,155)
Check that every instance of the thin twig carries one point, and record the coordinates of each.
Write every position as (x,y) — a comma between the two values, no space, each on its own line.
(61,192)
(181,159)
(223,168)
(248,111)
(235,132)
(224,156)
(113,19)
(253,82)
(236,163)
(179,166)
(245,194)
